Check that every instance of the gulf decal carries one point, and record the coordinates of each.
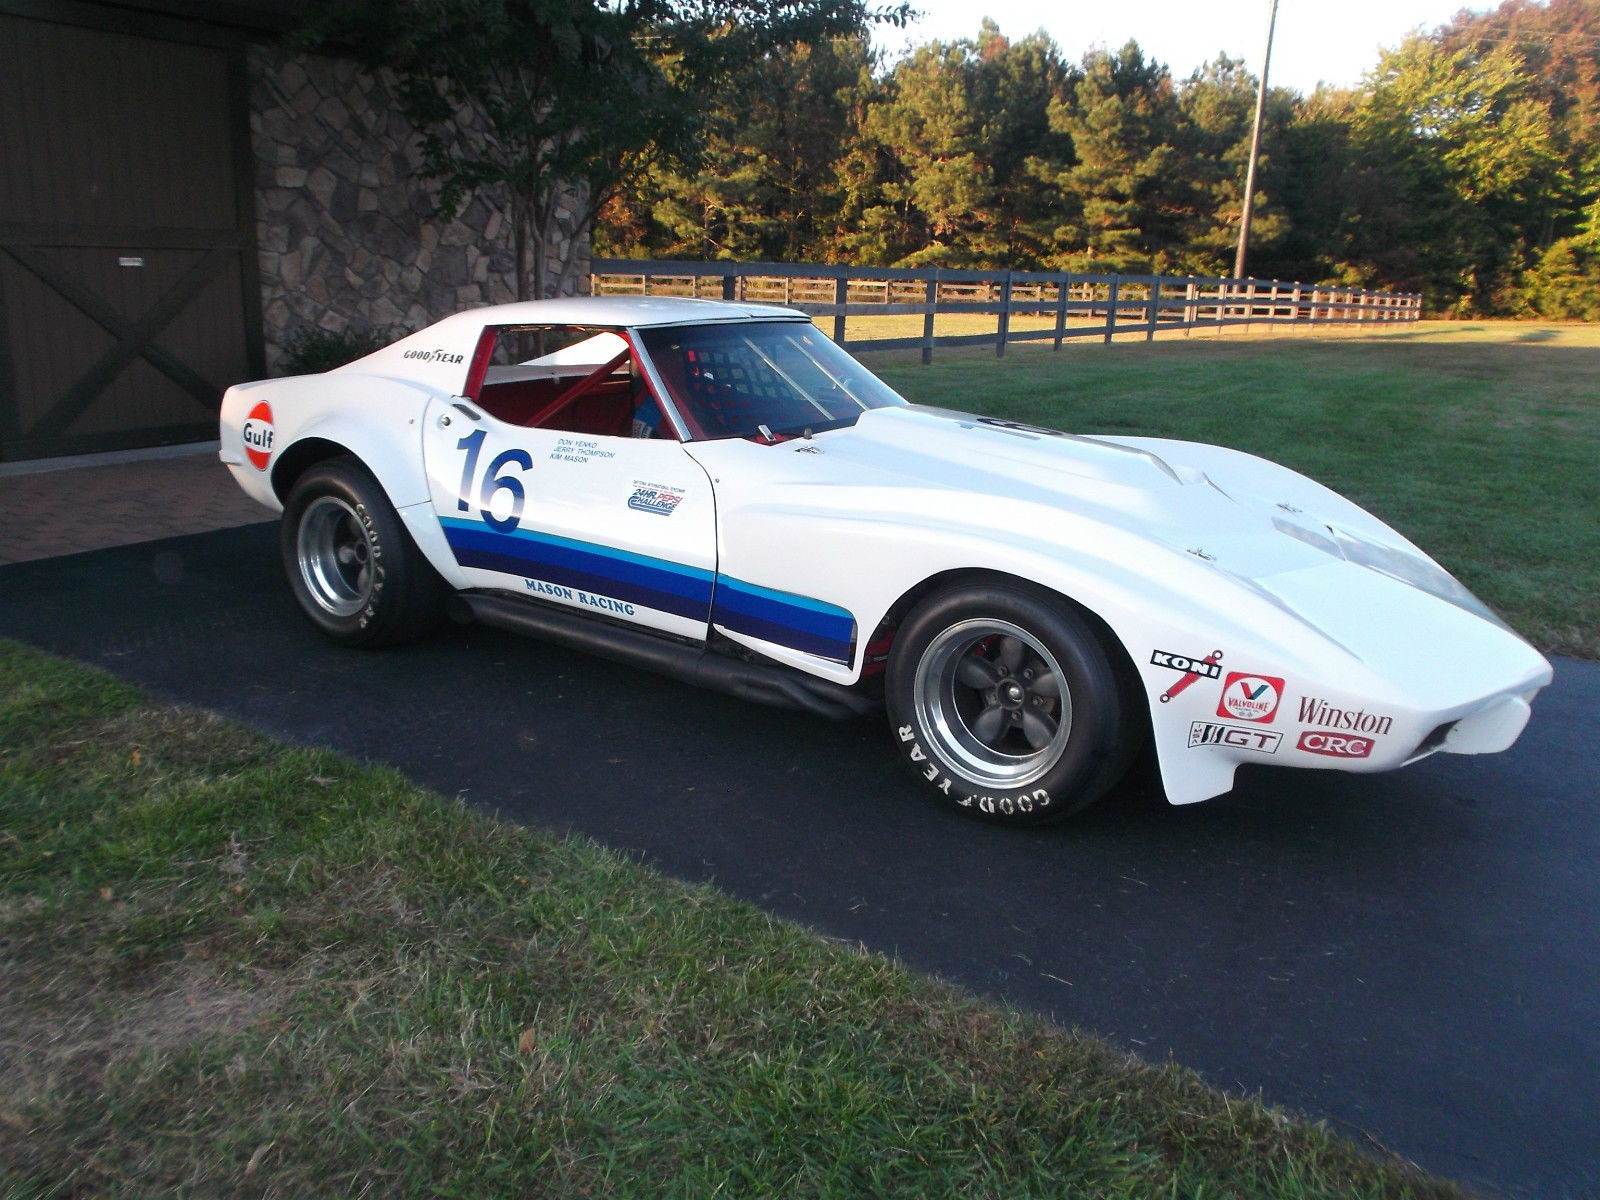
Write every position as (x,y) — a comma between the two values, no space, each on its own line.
(258,433)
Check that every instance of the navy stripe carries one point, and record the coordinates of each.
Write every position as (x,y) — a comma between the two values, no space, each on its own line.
(787,620)
(654,583)
(781,618)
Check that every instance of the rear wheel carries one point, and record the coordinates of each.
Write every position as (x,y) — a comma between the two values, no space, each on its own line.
(1005,702)
(351,564)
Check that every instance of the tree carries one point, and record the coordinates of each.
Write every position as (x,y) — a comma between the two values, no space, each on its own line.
(1468,139)
(770,183)
(1123,121)
(1218,106)
(957,128)
(562,102)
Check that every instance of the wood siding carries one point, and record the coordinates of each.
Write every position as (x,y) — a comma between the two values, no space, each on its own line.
(125,238)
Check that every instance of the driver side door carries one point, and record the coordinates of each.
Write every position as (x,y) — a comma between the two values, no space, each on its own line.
(616,526)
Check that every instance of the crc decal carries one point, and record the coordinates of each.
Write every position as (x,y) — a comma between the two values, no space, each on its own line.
(1319,712)
(258,434)
(435,356)
(651,498)
(1237,737)
(1192,668)
(1247,697)
(1334,745)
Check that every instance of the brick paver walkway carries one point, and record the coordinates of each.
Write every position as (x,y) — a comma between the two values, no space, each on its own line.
(64,506)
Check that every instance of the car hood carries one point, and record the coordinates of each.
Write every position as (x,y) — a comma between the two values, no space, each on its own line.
(1248,516)
(1143,507)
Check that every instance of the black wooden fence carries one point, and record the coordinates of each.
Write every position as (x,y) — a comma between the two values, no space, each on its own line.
(1055,305)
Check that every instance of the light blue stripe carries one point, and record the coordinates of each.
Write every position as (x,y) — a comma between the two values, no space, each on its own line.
(572,544)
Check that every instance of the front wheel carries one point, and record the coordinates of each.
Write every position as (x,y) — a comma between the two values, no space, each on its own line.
(1006,703)
(355,571)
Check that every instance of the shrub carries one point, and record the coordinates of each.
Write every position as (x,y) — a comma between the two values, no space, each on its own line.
(309,351)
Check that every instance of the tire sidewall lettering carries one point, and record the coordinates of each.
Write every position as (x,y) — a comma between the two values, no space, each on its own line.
(375,550)
(1006,804)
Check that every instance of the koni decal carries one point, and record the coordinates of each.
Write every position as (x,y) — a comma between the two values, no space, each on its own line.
(1193,669)
(1247,697)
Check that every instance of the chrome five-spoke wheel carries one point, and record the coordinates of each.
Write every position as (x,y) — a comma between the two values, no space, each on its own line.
(1005,701)
(351,564)
(989,695)
(335,556)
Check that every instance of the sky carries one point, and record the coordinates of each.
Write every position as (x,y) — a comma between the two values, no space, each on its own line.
(1331,42)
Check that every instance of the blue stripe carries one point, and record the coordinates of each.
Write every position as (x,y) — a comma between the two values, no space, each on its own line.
(785,619)
(652,582)
(781,618)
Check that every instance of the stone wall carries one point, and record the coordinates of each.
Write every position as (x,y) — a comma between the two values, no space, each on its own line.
(344,228)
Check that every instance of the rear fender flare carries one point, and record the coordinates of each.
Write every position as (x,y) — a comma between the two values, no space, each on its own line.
(393,454)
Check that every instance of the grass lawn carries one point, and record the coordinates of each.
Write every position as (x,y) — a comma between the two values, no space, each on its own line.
(234,969)
(1480,442)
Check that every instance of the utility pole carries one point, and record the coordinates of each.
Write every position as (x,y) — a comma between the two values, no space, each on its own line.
(1255,150)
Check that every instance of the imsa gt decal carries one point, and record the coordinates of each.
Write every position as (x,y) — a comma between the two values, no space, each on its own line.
(1237,737)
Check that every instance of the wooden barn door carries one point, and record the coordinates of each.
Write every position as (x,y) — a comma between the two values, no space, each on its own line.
(127,281)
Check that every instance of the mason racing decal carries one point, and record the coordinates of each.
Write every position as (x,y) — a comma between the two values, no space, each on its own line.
(258,434)
(1335,745)
(1314,711)
(1237,737)
(1192,668)
(653,498)
(558,591)
(1247,697)
(1008,806)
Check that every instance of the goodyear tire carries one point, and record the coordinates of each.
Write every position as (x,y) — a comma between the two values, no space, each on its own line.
(351,564)
(1006,704)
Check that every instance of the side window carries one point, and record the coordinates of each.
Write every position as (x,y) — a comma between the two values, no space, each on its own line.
(573,379)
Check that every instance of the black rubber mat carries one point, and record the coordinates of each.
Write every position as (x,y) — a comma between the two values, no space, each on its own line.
(1415,955)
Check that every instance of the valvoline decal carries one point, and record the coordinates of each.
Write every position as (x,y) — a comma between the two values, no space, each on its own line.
(257,434)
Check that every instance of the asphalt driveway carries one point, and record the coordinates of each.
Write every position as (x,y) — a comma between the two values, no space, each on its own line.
(1415,955)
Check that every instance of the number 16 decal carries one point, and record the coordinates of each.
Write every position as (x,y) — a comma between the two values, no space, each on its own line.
(493,481)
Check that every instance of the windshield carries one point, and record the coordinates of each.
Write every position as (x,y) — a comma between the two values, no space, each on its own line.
(761,379)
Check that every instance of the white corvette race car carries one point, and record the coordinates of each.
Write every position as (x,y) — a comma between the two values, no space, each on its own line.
(718,492)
